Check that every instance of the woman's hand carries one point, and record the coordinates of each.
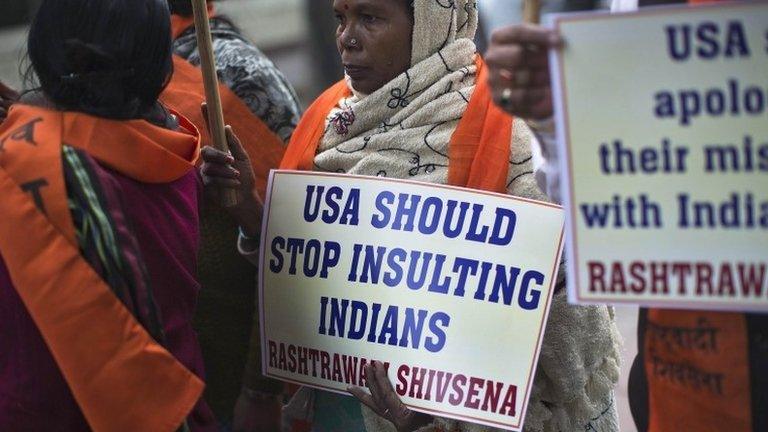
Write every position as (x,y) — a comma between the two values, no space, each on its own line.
(385,402)
(257,414)
(232,171)
(519,70)
(8,97)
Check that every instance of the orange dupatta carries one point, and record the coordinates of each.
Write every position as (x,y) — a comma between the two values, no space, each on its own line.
(479,150)
(185,94)
(120,377)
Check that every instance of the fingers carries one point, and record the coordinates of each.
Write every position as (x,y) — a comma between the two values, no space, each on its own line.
(520,78)
(217,169)
(374,386)
(385,394)
(512,56)
(219,176)
(528,34)
(221,183)
(204,110)
(519,72)
(220,171)
(382,398)
(523,98)
(213,155)
(365,399)
(527,103)
(382,380)
(392,400)
(235,147)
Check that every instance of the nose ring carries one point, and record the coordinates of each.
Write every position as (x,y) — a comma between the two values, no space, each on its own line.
(353,42)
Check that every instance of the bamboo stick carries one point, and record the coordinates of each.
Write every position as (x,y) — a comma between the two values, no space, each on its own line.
(532,11)
(211,83)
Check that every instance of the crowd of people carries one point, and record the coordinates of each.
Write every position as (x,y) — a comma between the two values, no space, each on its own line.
(125,287)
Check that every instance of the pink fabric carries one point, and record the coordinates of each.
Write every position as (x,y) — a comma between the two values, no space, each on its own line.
(33,394)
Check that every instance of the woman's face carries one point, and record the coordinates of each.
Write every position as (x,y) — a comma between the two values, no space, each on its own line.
(374,40)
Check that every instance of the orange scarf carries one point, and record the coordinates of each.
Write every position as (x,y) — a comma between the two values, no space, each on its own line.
(180,23)
(120,377)
(479,150)
(185,93)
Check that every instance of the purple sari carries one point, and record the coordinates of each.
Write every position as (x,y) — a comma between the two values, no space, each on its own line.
(164,221)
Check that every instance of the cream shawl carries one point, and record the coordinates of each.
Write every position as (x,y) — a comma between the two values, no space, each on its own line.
(402,131)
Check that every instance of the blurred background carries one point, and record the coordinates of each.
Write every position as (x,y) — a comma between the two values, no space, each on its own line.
(298,35)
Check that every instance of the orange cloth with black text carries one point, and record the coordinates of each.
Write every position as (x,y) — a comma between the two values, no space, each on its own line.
(698,371)
(121,378)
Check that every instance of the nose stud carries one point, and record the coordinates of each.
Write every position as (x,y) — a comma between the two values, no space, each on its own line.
(353,42)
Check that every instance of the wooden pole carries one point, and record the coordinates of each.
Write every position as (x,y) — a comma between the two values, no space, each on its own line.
(532,11)
(211,83)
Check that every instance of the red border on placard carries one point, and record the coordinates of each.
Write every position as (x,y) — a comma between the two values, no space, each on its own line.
(571,222)
(542,323)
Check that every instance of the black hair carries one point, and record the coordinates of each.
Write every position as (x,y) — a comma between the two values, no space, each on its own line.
(109,58)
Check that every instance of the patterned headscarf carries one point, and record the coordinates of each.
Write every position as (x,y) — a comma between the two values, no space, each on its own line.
(403,129)
(438,23)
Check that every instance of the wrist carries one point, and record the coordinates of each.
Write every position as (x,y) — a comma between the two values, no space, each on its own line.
(248,216)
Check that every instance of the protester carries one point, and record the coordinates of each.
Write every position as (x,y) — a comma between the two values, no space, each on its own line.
(99,230)
(413,98)
(262,107)
(520,78)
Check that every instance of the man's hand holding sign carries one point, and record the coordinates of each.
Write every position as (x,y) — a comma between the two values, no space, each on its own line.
(668,184)
(423,280)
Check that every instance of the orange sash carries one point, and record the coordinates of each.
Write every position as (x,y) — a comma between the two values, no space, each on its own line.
(185,94)
(479,150)
(120,377)
(180,23)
